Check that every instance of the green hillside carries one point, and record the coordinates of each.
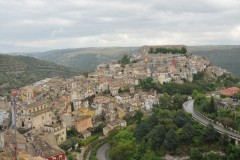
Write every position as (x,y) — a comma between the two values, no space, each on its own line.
(18,71)
(85,59)
(224,56)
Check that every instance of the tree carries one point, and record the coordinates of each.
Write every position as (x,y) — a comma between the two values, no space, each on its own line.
(188,132)
(165,117)
(156,136)
(125,60)
(181,118)
(126,151)
(165,101)
(171,140)
(212,105)
(195,154)
(233,152)
(178,101)
(138,116)
(224,141)
(209,134)
(151,50)
(147,83)
(141,130)
(150,155)
(183,50)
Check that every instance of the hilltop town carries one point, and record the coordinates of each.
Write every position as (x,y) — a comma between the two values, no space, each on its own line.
(47,109)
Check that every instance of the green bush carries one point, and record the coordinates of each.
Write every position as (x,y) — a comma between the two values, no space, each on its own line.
(83,142)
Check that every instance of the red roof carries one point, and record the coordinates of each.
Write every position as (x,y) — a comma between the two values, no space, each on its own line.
(174,62)
(15,92)
(230,91)
(104,80)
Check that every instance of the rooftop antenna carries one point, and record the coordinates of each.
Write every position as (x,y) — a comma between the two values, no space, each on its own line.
(15,95)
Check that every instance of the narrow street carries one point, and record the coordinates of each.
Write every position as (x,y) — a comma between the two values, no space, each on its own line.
(102,153)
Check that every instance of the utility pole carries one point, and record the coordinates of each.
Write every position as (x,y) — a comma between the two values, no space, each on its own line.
(15,93)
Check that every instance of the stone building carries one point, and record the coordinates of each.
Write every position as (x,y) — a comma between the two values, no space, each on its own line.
(82,122)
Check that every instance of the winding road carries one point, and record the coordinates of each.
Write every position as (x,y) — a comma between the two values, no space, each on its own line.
(188,107)
(102,153)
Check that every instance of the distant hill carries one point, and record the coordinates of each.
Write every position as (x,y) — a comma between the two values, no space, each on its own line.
(84,59)
(18,71)
(224,56)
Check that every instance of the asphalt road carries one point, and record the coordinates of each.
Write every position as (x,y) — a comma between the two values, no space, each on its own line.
(188,107)
(102,153)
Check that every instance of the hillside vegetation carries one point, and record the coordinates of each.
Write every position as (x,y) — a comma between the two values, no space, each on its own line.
(224,56)
(85,59)
(18,71)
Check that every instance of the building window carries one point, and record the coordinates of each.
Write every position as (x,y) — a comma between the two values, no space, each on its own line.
(22,111)
(28,118)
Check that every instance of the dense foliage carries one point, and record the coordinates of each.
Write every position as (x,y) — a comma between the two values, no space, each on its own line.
(69,143)
(200,83)
(83,142)
(18,71)
(164,132)
(183,50)
(125,60)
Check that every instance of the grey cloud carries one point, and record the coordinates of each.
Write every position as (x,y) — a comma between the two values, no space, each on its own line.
(40,25)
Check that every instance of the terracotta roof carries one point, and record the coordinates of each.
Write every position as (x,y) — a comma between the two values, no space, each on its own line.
(230,91)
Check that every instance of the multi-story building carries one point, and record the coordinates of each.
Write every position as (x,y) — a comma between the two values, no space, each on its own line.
(35,115)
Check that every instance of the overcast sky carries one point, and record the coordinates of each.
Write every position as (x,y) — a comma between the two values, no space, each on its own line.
(39,25)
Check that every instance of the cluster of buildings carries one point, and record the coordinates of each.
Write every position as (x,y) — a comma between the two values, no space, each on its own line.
(227,98)
(55,105)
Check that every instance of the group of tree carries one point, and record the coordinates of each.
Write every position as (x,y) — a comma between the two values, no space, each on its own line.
(206,104)
(199,83)
(209,108)
(170,88)
(173,102)
(19,71)
(183,50)
(164,131)
(125,60)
